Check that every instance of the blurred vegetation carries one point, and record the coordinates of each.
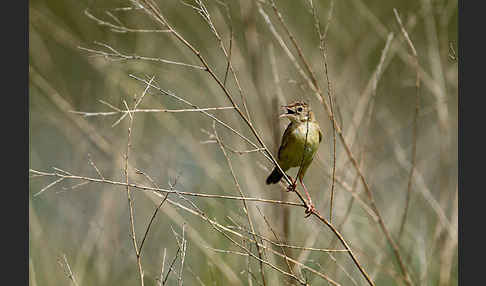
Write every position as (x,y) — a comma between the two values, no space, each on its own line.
(89,224)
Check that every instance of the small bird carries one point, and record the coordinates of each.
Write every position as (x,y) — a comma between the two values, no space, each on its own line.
(300,142)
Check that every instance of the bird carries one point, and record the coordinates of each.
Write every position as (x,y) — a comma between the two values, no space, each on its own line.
(300,143)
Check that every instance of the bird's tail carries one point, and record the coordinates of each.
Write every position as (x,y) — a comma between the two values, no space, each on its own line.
(274,177)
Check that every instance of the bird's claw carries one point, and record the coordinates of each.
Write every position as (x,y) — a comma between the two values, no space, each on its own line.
(310,209)
(291,187)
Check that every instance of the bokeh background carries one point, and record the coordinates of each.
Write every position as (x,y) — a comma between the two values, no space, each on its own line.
(88,224)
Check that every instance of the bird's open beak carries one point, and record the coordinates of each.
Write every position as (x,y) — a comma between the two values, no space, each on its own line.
(287,112)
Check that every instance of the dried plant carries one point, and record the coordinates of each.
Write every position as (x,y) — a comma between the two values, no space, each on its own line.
(191,93)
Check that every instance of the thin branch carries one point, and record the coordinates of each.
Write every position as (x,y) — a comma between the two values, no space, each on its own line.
(67,269)
(280,244)
(94,166)
(264,150)
(248,251)
(170,267)
(282,44)
(47,187)
(129,198)
(329,18)
(343,269)
(230,47)
(149,110)
(130,206)
(222,229)
(322,48)
(417,108)
(183,255)
(278,240)
(64,189)
(376,78)
(247,213)
(345,244)
(161,190)
(294,42)
(62,171)
(120,28)
(218,227)
(228,251)
(203,11)
(151,220)
(115,55)
(161,276)
(136,103)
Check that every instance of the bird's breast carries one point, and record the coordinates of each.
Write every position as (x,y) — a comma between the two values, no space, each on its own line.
(302,144)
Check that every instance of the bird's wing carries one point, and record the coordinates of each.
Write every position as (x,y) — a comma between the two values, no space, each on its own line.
(285,138)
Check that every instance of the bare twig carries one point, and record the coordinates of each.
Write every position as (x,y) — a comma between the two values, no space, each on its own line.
(223,230)
(287,246)
(183,255)
(202,10)
(115,55)
(228,251)
(264,150)
(67,269)
(120,28)
(278,240)
(130,201)
(149,110)
(64,189)
(94,166)
(161,276)
(230,42)
(294,42)
(345,244)
(136,104)
(282,44)
(323,49)
(417,107)
(130,206)
(170,267)
(239,152)
(250,223)
(152,219)
(161,190)
(376,78)
(47,187)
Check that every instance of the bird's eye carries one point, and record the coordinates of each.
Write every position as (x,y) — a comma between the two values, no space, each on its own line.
(299,109)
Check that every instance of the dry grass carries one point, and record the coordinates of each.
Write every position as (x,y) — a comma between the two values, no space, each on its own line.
(175,103)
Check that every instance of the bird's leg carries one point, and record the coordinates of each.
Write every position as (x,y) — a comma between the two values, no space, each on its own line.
(310,207)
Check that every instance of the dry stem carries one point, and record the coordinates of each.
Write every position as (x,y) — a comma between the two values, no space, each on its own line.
(415,116)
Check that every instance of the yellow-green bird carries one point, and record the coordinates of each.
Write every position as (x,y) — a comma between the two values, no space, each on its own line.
(300,142)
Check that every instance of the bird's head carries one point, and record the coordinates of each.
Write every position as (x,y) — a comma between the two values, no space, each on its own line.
(297,112)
